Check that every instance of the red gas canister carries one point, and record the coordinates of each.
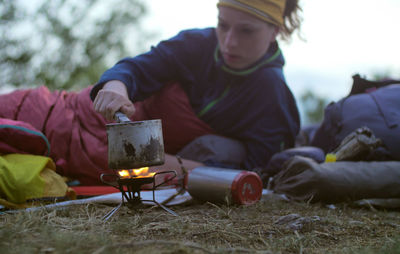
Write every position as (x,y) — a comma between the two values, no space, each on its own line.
(221,185)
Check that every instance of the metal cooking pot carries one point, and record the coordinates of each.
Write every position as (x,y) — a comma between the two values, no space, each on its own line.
(134,144)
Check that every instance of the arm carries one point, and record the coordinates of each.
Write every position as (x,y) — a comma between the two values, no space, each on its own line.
(145,74)
(171,163)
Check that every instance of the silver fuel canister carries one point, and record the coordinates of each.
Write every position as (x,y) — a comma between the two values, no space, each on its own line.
(221,185)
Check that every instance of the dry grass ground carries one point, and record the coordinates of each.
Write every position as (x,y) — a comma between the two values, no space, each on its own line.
(271,226)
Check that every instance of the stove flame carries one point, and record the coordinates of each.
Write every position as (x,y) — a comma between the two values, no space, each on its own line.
(135,173)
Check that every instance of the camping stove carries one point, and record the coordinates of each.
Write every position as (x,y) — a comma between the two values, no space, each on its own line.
(130,183)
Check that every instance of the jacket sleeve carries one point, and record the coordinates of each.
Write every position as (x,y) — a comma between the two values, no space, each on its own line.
(170,60)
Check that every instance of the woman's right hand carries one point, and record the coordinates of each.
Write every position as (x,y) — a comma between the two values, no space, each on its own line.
(111,98)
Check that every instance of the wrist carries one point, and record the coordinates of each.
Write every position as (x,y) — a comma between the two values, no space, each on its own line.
(116,86)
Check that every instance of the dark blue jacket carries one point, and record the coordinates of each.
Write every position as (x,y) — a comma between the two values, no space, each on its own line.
(253,106)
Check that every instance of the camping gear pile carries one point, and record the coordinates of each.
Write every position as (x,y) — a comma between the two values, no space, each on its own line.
(360,138)
(353,155)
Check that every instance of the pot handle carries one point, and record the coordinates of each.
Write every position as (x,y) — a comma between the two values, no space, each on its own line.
(121,117)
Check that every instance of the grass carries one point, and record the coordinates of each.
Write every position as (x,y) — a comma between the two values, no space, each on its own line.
(203,228)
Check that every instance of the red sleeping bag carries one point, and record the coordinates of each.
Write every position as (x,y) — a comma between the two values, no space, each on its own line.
(64,124)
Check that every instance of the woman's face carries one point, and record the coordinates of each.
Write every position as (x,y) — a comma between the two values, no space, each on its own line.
(243,39)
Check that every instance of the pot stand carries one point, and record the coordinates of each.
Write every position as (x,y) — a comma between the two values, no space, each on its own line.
(130,189)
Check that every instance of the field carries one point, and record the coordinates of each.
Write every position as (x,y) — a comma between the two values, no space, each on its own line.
(270,226)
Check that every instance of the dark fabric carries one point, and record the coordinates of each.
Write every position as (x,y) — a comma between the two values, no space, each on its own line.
(303,179)
(306,134)
(378,110)
(215,151)
(361,85)
(180,125)
(277,161)
(254,106)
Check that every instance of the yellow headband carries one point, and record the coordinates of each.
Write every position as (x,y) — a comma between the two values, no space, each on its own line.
(267,10)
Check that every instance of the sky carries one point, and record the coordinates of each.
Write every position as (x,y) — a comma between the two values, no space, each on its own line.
(342,38)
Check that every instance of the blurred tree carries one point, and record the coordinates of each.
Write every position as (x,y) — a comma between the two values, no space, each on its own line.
(66,44)
(313,107)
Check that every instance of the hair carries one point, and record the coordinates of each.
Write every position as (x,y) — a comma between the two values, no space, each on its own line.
(291,19)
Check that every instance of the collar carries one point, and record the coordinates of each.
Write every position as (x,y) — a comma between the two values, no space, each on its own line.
(268,58)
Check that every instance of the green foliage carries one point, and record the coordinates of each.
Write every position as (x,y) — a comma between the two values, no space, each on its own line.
(313,106)
(65,44)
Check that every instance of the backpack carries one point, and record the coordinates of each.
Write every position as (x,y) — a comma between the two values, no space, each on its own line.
(371,104)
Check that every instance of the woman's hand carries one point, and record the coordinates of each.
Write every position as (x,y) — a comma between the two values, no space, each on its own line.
(111,98)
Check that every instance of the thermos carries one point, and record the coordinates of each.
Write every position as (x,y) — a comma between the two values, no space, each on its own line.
(221,185)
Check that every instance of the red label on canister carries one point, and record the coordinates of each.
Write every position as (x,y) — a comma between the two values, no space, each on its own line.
(246,188)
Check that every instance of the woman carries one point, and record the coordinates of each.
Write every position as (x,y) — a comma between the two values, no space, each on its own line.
(232,76)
